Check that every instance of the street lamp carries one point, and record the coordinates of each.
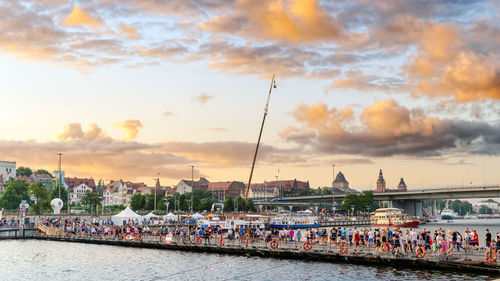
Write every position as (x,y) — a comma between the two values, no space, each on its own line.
(352,208)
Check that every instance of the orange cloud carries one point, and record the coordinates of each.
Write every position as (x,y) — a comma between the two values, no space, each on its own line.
(79,17)
(387,128)
(203,98)
(289,20)
(129,30)
(73,131)
(130,128)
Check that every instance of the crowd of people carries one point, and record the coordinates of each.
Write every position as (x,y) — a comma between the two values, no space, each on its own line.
(439,242)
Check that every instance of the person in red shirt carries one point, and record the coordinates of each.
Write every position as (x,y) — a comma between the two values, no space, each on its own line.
(475,240)
(356,239)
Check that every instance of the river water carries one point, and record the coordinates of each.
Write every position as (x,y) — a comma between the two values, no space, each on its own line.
(47,260)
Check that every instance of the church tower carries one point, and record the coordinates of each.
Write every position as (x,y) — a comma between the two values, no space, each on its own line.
(402,185)
(380,182)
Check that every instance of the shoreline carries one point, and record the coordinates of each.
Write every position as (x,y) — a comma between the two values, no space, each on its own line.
(477,267)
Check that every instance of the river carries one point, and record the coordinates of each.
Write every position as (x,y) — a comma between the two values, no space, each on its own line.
(46,260)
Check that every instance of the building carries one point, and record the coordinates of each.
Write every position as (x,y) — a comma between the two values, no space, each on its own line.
(380,182)
(7,170)
(287,187)
(30,180)
(340,182)
(112,194)
(77,187)
(402,185)
(223,189)
(60,177)
(263,190)
(184,186)
(34,178)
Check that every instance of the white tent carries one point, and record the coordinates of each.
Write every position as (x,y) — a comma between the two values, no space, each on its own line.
(124,216)
(197,216)
(308,211)
(170,217)
(150,216)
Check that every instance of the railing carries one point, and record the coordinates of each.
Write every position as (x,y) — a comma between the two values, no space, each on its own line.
(14,233)
(275,243)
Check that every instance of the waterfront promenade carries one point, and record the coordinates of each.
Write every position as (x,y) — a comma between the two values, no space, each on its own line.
(470,261)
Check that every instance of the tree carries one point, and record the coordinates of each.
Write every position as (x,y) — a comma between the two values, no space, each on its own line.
(240,204)
(229,204)
(183,204)
(171,203)
(249,206)
(196,203)
(54,193)
(150,202)
(137,202)
(361,202)
(206,204)
(485,210)
(42,197)
(43,172)
(91,199)
(24,171)
(15,192)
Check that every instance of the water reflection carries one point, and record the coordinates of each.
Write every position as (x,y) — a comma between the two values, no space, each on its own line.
(45,260)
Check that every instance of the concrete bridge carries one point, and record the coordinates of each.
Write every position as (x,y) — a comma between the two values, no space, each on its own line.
(410,201)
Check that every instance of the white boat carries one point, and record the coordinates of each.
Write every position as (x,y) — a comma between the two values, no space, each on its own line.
(293,221)
(448,214)
(228,224)
(393,217)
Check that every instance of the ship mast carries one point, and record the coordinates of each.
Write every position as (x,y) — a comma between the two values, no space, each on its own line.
(273,85)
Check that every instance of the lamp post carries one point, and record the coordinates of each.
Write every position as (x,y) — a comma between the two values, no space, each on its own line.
(192,186)
(333,187)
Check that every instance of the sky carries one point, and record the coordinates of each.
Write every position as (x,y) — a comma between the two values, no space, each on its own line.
(136,89)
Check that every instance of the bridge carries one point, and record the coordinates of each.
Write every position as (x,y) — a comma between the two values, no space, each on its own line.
(410,201)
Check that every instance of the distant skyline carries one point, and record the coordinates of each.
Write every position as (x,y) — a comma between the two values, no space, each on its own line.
(129,89)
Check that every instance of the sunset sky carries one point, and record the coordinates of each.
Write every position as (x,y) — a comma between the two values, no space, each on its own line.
(132,88)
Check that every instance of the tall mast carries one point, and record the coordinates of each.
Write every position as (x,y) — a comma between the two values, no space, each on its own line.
(266,109)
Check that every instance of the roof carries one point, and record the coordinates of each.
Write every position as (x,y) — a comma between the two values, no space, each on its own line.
(29,180)
(228,185)
(74,182)
(340,178)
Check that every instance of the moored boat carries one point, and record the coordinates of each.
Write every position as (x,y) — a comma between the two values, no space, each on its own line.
(392,217)
(290,221)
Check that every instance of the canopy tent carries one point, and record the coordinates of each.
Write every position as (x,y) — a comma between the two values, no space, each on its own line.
(124,216)
(308,211)
(150,216)
(170,217)
(197,216)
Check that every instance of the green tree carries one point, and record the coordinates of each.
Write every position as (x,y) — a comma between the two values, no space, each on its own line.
(183,204)
(240,204)
(484,210)
(171,203)
(15,191)
(24,171)
(206,204)
(196,203)
(42,197)
(43,172)
(91,200)
(249,206)
(54,193)
(160,202)
(150,202)
(137,202)
(229,204)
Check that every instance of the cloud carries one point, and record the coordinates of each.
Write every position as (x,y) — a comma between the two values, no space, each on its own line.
(129,30)
(233,153)
(289,21)
(79,17)
(203,98)
(73,131)
(222,130)
(130,128)
(387,128)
